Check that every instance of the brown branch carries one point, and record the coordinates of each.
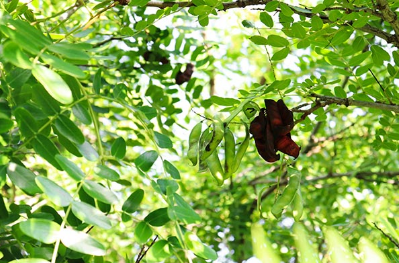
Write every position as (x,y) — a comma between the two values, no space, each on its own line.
(386,235)
(144,251)
(389,16)
(351,102)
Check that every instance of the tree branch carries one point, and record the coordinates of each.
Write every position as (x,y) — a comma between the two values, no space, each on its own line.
(389,16)
(386,14)
(322,101)
(386,235)
(351,102)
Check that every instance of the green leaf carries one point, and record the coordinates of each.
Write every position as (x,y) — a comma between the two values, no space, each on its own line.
(279,85)
(81,242)
(183,211)
(142,232)
(266,19)
(341,36)
(162,140)
(148,111)
(106,172)
(97,85)
(12,5)
(167,186)
(90,215)
(298,30)
(158,217)
(45,231)
(202,10)
(118,148)
(286,10)
(357,60)
(272,6)
(277,41)
(203,20)
(82,113)
(46,149)
(87,150)
(258,40)
(18,77)
(224,101)
(49,105)
(69,129)
(31,32)
(281,54)
(71,51)
(158,252)
(318,8)
(63,66)
(146,160)
(362,97)
(247,24)
(316,22)
(5,123)
(99,192)
(53,83)
(198,248)
(27,124)
(55,193)
(70,168)
(13,54)
(379,54)
(133,201)
(171,169)
(339,92)
(23,178)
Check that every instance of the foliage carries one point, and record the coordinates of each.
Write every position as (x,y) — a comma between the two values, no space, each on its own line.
(98,99)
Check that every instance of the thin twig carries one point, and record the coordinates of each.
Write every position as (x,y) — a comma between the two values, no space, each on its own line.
(142,254)
(386,235)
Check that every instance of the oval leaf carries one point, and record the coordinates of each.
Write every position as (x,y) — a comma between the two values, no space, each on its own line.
(106,173)
(23,178)
(171,169)
(146,160)
(45,231)
(99,192)
(56,193)
(70,167)
(133,201)
(87,150)
(158,217)
(90,215)
(53,83)
(46,149)
(142,232)
(162,140)
(118,148)
(200,249)
(81,242)
(69,129)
